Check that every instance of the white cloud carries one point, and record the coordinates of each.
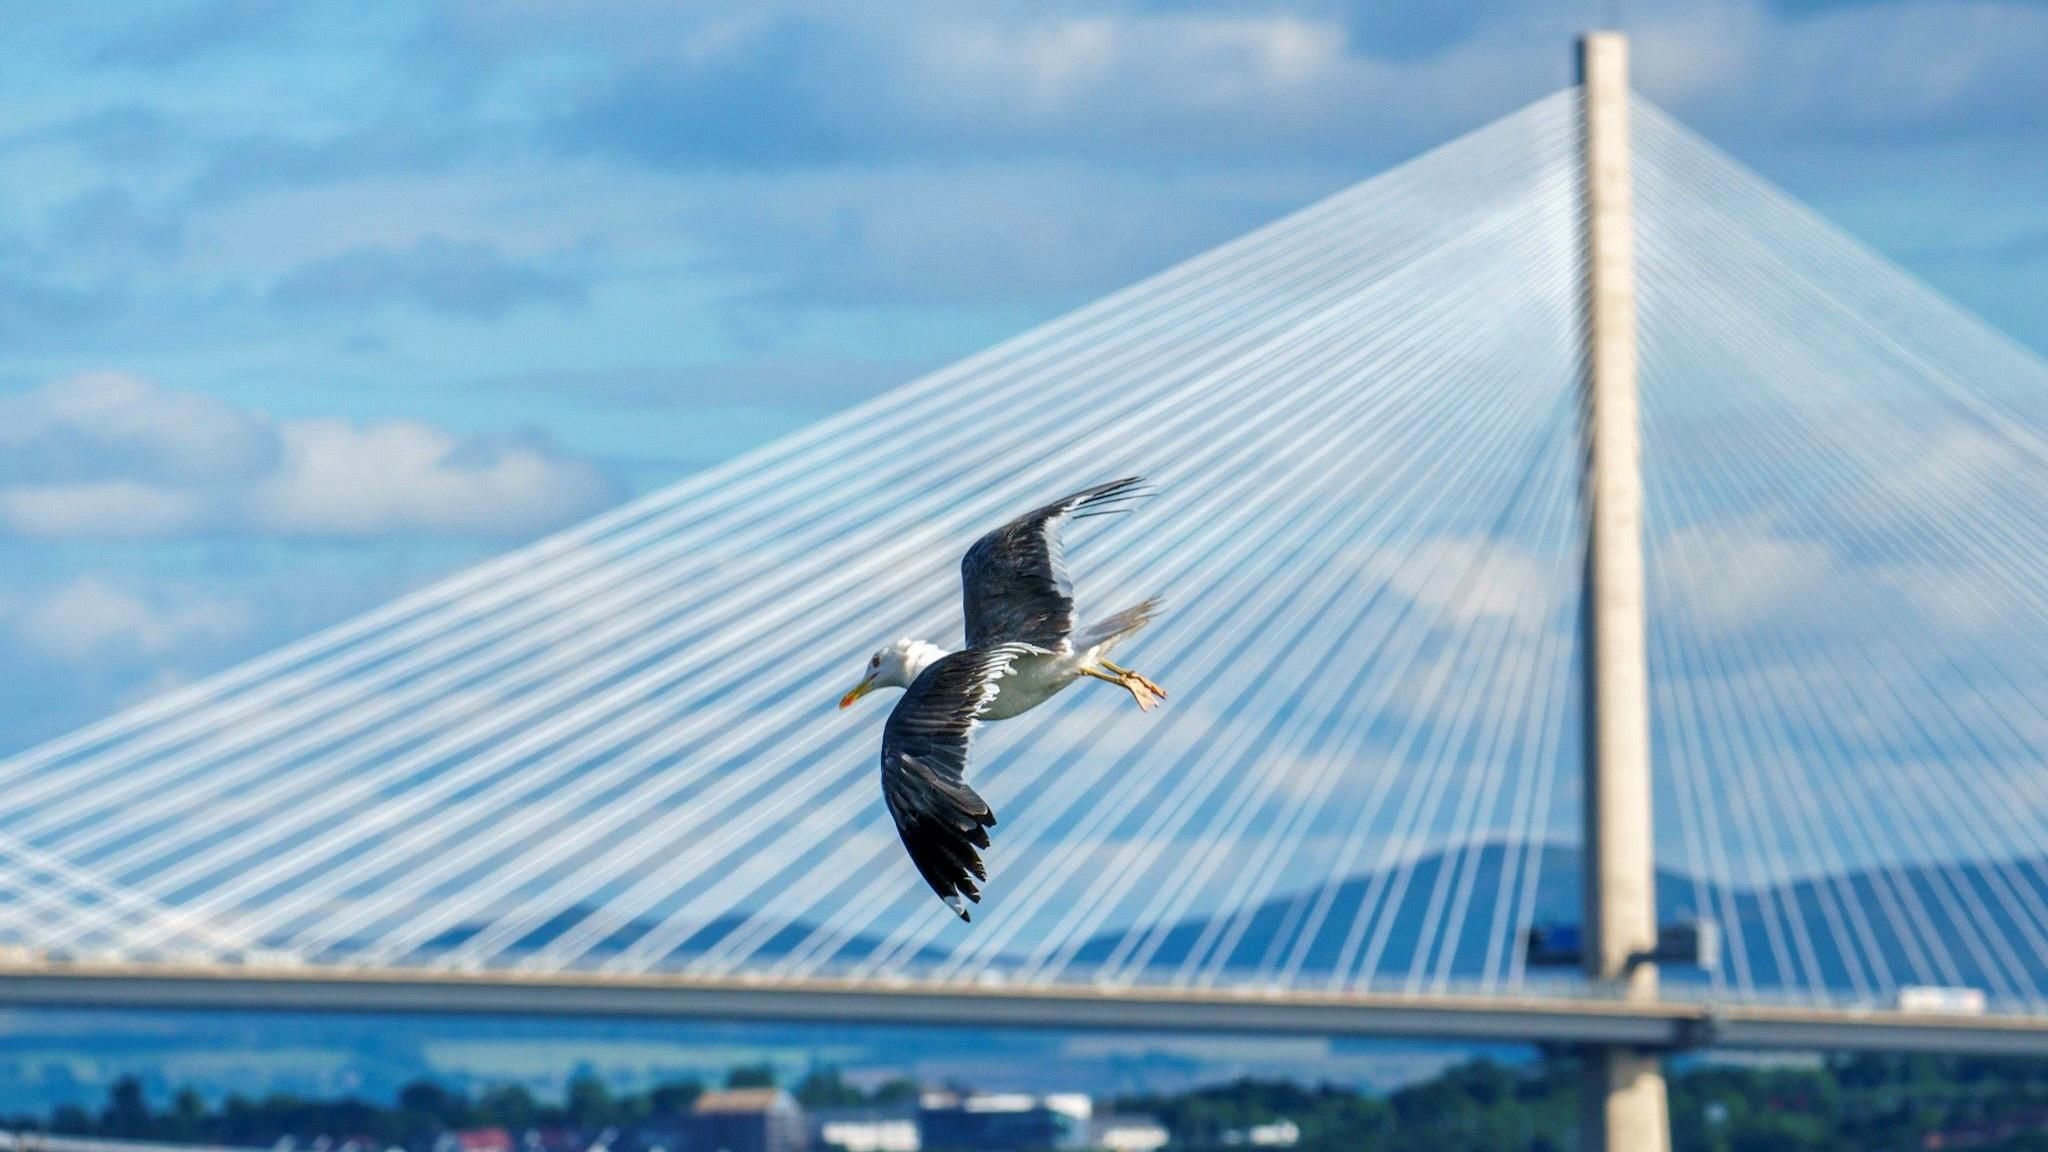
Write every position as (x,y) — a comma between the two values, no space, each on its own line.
(1954,473)
(1038,75)
(70,429)
(98,508)
(339,479)
(90,619)
(1471,578)
(1016,80)
(1729,575)
(810,83)
(118,456)
(1895,68)
(1959,601)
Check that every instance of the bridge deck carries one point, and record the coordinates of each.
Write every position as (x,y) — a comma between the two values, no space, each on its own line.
(1666,1024)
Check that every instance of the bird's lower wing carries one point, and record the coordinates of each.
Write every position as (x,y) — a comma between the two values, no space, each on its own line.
(943,821)
(942,825)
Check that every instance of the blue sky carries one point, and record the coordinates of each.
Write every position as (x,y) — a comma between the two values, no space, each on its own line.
(302,305)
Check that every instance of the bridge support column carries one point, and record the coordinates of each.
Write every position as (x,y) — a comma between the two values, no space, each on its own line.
(1623,1090)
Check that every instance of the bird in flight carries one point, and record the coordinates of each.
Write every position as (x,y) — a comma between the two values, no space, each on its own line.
(1023,646)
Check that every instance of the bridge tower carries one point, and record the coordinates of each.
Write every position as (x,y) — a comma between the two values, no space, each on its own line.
(1623,1098)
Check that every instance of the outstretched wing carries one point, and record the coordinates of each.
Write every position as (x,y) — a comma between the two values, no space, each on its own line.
(924,769)
(1014,579)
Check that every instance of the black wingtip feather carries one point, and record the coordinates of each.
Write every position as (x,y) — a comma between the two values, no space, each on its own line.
(943,851)
(1110,498)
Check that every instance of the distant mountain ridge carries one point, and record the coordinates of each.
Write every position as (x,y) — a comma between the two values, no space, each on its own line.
(1920,923)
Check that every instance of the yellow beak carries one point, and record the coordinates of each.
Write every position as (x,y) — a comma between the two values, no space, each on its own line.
(859,690)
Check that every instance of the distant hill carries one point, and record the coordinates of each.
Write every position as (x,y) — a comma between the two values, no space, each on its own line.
(1917,921)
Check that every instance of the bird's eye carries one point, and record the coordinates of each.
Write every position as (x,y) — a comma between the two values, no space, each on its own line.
(875,663)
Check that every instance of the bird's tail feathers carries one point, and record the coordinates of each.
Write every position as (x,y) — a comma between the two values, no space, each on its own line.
(1106,632)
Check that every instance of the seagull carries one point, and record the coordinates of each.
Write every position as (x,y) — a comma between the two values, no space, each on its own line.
(1023,646)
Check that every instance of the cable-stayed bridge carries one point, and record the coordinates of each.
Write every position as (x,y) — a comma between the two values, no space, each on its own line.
(604,773)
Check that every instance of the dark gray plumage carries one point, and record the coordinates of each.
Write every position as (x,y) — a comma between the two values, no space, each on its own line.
(1014,579)
(924,769)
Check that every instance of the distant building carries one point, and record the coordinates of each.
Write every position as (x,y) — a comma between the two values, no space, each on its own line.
(746,1120)
(475,1140)
(1003,1122)
(553,1139)
(1128,1134)
(1923,999)
(1278,1134)
(870,1128)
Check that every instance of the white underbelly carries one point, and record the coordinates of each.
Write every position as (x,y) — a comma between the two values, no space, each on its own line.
(1032,681)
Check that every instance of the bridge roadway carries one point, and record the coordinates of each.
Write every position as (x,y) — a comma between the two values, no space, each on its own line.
(1667,1024)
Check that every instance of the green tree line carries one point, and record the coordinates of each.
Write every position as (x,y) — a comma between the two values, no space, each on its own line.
(1863,1103)
(422,1111)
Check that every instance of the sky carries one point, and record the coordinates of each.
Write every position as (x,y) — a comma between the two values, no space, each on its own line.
(304,305)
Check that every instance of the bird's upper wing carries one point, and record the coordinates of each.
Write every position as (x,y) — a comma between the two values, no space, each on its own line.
(1014,579)
(924,769)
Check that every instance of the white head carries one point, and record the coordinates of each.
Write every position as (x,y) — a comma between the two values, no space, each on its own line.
(894,665)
